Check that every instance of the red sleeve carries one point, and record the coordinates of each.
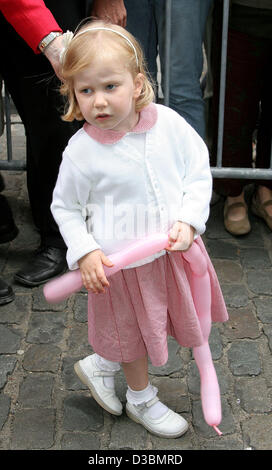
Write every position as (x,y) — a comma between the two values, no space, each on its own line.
(31,19)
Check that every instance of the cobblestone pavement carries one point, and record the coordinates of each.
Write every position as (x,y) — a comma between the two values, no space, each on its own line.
(44,406)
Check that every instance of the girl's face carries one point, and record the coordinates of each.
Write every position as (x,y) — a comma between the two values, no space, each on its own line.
(106,93)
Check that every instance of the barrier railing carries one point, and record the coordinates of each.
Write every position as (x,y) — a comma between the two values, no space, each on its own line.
(218,171)
(10,164)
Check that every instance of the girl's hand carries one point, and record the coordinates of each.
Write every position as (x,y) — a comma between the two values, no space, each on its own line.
(181,237)
(92,272)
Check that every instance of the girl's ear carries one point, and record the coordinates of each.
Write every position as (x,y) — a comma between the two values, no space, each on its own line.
(138,85)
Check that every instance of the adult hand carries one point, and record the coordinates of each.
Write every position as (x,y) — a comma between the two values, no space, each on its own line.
(52,52)
(181,237)
(112,10)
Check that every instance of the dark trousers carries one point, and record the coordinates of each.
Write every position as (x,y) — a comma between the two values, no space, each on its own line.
(248,99)
(34,89)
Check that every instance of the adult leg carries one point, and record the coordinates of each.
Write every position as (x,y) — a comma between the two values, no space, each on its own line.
(34,89)
(262,200)
(188,21)
(141,23)
(244,59)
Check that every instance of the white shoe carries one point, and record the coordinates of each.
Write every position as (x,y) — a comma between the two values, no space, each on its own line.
(92,376)
(169,425)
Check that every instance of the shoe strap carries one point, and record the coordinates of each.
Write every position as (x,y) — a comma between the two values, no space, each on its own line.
(104,373)
(152,401)
(235,205)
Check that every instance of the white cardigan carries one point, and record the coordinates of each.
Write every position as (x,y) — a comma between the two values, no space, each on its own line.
(131,185)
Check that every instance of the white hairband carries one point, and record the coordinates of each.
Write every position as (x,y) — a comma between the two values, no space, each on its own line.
(68,36)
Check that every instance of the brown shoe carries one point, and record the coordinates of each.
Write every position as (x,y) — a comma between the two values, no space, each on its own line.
(236,227)
(258,208)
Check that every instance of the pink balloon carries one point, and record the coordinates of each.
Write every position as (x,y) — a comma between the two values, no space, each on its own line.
(201,293)
(62,287)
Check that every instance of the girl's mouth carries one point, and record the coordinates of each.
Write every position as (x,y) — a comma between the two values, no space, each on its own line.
(102,117)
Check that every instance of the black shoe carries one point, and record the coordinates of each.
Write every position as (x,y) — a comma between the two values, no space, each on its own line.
(48,262)
(8,229)
(6,293)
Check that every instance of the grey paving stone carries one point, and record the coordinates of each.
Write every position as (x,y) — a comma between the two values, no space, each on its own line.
(267,368)
(69,376)
(46,327)
(224,443)
(227,425)
(244,358)
(121,386)
(80,441)
(40,303)
(264,308)
(268,333)
(36,391)
(259,281)
(4,409)
(215,343)
(16,311)
(7,364)
(81,307)
(78,340)
(33,429)
(254,238)
(10,340)
(235,295)
(228,271)
(173,392)
(42,358)
(253,394)
(223,249)
(82,413)
(223,377)
(174,361)
(126,434)
(184,442)
(242,324)
(215,228)
(257,432)
(255,258)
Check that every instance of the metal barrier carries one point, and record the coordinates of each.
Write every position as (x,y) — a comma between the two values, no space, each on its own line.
(218,171)
(10,164)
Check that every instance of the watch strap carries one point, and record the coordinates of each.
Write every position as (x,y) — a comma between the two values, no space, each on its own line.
(48,39)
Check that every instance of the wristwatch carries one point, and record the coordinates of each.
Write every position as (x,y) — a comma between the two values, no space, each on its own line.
(48,39)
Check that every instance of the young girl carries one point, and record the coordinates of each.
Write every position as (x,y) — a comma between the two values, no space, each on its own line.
(135,168)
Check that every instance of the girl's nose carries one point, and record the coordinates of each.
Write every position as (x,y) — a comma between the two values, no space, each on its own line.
(99,100)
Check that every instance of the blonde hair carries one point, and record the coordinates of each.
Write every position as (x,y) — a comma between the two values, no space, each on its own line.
(84,47)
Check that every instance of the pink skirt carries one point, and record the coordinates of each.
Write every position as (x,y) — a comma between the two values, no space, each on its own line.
(144,305)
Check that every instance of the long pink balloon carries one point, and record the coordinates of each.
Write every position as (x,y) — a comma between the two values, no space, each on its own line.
(62,287)
(201,292)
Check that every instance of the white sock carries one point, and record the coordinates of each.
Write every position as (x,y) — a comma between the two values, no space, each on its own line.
(138,397)
(105,364)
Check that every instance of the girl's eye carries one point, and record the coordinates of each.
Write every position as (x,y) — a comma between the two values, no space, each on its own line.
(111,87)
(86,91)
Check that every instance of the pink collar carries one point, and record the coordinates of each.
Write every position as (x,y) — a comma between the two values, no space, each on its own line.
(148,118)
